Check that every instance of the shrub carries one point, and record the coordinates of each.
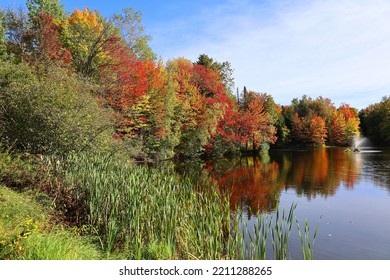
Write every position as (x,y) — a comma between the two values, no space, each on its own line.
(50,110)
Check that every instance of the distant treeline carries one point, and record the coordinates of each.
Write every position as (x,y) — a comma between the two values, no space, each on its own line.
(82,82)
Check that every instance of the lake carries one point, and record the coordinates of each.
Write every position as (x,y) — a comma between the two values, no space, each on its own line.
(347,194)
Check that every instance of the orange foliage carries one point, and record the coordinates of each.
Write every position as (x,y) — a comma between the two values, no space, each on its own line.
(252,183)
(47,39)
(309,129)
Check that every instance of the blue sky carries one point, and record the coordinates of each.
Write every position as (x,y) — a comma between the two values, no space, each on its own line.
(336,48)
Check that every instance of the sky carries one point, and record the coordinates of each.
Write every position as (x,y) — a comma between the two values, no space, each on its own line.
(337,49)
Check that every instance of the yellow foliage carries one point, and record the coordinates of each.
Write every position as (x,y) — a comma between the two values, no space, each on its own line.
(84,34)
(86,19)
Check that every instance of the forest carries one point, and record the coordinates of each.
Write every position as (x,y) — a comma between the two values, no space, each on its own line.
(74,84)
(79,81)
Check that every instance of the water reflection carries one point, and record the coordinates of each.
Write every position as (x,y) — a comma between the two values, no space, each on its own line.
(377,167)
(341,191)
(256,182)
(320,171)
(252,182)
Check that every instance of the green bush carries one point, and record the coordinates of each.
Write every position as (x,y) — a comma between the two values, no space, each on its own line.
(49,110)
(15,171)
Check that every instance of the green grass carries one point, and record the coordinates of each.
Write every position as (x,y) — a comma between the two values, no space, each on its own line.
(27,232)
(59,245)
(19,216)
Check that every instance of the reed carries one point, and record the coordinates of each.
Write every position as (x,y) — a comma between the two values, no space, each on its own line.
(137,209)
(281,232)
(253,241)
(306,242)
(147,213)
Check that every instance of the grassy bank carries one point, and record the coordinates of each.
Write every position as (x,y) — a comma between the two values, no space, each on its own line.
(28,231)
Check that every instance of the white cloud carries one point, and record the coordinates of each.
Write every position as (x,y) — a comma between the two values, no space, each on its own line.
(337,49)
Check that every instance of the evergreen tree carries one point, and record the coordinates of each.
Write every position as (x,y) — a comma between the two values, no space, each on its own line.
(50,7)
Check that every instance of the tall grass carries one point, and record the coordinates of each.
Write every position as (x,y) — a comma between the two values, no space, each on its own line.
(137,209)
(281,232)
(60,245)
(149,213)
(306,242)
(253,242)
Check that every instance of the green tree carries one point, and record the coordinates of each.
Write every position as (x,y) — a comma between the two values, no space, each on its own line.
(129,24)
(247,98)
(2,33)
(50,7)
(17,26)
(375,120)
(385,124)
(324,108)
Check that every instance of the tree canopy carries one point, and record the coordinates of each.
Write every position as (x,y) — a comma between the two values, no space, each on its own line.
(73,73)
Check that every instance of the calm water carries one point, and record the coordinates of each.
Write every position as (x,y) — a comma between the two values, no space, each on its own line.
(346,194)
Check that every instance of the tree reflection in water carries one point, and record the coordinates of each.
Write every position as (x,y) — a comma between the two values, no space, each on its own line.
(257,182)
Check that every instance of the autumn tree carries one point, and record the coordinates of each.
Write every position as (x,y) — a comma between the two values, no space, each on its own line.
(318,130)
(124,86)
(250,125)
(163,133)
(336,136)
(233,136)
(259,122)
(310,129)
(46,40)
(224,70)
(85,35)
(324,108)
(345,125)
(199,111)
(306,116)
(143,99)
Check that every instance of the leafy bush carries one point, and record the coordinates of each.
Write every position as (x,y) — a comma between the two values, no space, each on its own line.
(49,109)
(16,172)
